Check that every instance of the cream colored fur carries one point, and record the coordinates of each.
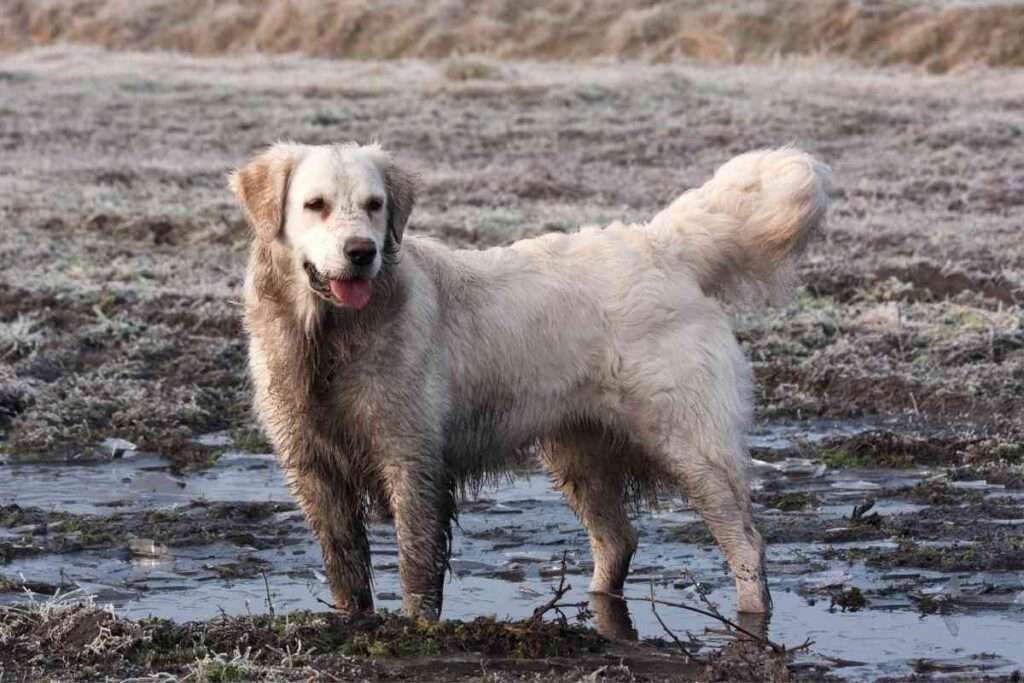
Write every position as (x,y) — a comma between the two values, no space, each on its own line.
(609,348)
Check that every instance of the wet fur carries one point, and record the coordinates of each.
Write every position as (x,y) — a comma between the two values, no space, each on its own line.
(607,352)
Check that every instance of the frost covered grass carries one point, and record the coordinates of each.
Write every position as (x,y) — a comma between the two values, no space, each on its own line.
(910,306)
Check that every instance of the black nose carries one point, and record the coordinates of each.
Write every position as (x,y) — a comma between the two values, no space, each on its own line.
(360,250)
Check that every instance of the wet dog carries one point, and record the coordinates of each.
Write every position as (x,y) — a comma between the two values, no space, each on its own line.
(397,369)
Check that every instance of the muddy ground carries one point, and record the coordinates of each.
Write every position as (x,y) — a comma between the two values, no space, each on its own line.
(890,572)
(122,259)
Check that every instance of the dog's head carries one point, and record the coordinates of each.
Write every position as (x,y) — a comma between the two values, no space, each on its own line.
(340,210)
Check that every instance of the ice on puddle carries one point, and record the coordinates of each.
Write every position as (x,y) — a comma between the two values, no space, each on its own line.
(859,485)
(829,579)
(215,439)
(147,547)
(117,447)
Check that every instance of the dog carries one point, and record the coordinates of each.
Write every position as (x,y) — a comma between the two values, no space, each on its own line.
(393,368)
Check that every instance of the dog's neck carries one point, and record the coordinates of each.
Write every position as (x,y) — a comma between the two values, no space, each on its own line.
(302,343)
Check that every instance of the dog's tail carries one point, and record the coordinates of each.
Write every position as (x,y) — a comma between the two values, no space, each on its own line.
(740,232)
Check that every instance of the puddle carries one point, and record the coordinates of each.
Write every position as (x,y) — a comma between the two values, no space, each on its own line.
(781,436)
(508,548)
(139,482)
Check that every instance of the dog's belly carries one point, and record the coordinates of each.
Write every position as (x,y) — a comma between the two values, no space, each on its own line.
(484,439)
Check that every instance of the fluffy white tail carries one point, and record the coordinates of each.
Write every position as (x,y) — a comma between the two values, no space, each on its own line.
(740,232)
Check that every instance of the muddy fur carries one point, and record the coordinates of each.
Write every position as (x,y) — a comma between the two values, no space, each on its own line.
(608,347)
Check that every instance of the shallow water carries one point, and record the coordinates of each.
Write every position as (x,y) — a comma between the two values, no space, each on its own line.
(507,554)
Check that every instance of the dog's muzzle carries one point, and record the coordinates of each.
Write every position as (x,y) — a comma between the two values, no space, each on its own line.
(347,292)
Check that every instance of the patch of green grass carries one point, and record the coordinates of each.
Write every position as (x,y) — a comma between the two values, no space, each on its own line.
(251,440)
(840,459)
(849,599)
(807,300)
(926,604)
(364,645)
(941,493)
(1011,452)
(70,526)
(882,449)
(223,672)
(792,501)
(959,557)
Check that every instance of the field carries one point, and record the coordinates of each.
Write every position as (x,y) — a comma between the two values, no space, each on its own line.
(895,377)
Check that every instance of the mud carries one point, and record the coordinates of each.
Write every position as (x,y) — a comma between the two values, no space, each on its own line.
(914,559)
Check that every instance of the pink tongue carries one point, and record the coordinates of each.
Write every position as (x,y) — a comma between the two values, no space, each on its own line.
(352,293)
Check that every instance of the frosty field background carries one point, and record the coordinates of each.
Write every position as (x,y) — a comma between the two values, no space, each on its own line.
(896,375)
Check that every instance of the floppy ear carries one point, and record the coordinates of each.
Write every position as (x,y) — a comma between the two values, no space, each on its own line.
(260,188)
(401,188)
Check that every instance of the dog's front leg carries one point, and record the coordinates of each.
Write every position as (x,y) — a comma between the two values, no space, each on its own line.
(336,513)
(423,505)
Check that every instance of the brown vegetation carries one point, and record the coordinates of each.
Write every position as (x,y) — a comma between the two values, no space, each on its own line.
(938,35)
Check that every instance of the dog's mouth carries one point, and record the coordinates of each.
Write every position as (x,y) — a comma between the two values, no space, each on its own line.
(347,292)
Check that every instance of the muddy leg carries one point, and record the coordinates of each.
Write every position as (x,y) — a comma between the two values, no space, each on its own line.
(584,467)
(593,483)
(718,490)
(423,506)
(334,510)
(755,622)
(594,488)
(611,616)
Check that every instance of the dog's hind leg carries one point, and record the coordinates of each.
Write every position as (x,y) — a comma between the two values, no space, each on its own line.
(719,493)
(697,429)
(584,466)
(703,447)
(590,472)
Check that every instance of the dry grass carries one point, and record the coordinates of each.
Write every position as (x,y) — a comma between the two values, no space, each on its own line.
(938,34)
(69,638)
(118,309)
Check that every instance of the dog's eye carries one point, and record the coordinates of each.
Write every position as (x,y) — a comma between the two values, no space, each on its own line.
(373,204)
(315,204)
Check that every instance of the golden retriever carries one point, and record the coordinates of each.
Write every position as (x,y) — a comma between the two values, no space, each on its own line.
(399,369)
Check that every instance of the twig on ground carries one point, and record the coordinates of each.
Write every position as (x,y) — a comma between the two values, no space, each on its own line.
(860,510)
(702,592)
(802,646)
(724,620)
(682,648)
(558,594)
(270,600)
(712,613)
(324,602)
